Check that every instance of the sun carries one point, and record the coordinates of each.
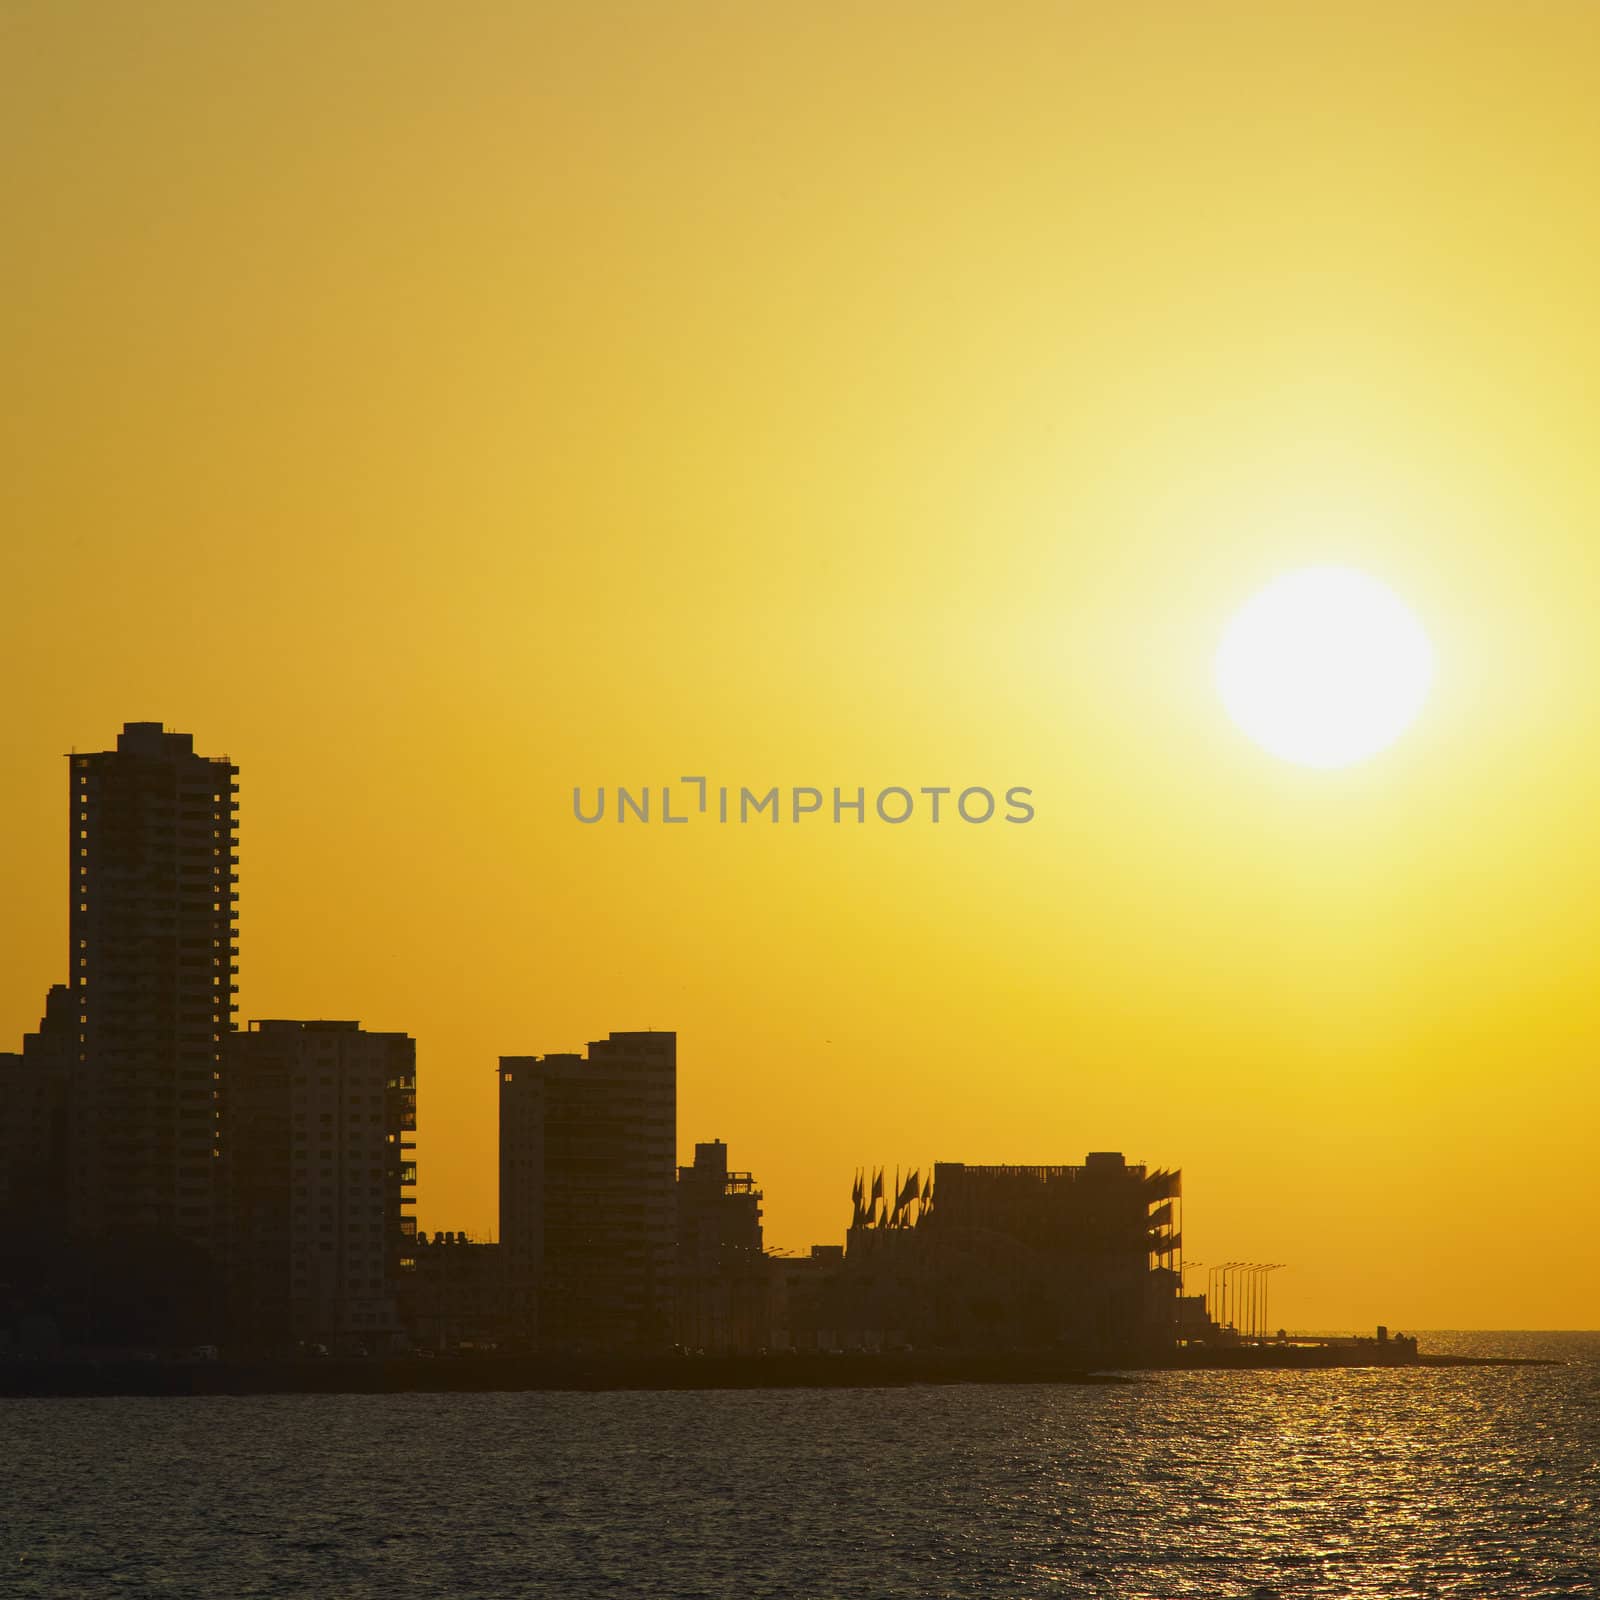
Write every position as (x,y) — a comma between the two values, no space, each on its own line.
(1324,667)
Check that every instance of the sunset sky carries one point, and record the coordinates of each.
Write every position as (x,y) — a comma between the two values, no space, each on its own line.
(435,408)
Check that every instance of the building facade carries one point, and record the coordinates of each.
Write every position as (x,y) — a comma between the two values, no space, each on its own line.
(1087,1256)
(153,954)
(34,1102)
(317,1173)
(723,1282)
(452,1293)
(588,1147)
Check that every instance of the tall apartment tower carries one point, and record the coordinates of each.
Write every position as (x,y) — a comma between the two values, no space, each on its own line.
(153,952)
(588,1217)
(317,1165)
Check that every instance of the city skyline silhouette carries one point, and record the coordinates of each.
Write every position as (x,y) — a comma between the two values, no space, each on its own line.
(443,1204)
(177,1182)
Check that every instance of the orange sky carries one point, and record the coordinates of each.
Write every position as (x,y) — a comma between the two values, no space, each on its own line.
(435,409)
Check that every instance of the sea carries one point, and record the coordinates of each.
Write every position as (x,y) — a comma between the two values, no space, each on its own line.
(1436,1484)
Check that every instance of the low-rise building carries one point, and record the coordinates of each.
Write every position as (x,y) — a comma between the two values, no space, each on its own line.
(723,1283)
(1004,1258)
(453,1294)
(34,1153)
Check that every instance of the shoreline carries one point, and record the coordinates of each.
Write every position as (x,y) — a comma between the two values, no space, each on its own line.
(487,1374)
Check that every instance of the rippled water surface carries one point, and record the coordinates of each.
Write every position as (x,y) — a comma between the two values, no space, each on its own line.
(1426,1483)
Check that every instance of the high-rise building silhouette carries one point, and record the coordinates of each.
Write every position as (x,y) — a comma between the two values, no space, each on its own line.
(316,1167)
(587,1207)
(153,951)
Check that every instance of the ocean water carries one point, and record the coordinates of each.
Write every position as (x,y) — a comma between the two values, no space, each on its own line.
(1433,1484)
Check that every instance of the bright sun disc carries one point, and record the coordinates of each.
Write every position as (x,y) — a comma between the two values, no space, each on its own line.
(1324,667)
